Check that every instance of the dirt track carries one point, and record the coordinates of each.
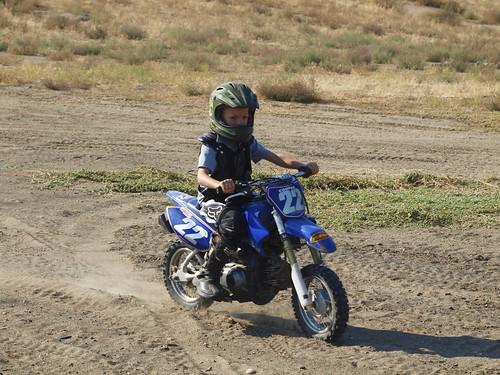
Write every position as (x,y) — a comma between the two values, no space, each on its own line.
(80,287)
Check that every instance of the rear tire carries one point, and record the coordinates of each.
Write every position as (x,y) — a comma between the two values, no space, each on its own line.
(184,293)
(327,318)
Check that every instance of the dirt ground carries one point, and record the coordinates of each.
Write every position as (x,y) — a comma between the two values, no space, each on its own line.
(80,285)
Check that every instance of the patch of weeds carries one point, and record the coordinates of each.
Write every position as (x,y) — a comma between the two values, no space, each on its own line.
(58,43)
(58,21)
(350,40)
(5,21)
(264,35)
(133,32)
(196,61)
(8,60)
(143,179)
(128,53)
(190,38)
(438,53)
(193,88)
(491,17)
(290,89)
(448,77)
(359,55)
(494,103)
(414,207)
(386,4)
(55,85)
(338,202)
(259,22)
(411,60)
(3,46)
(64,84)
(431,3)
(384,54)
(96,33)
(21,6)
(373,28)
(86,49)
(26,45)
(301,59)
(61,55)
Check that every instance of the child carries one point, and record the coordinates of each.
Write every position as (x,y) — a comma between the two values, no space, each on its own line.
(226,155)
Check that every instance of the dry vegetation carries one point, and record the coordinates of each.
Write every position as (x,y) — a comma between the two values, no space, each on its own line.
(426,57)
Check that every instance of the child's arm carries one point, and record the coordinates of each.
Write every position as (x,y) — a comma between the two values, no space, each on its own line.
(286,161)
(204,179)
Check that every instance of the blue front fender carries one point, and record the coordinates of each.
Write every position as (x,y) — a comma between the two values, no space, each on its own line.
(314,235)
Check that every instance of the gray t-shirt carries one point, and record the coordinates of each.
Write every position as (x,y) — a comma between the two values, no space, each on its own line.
(208,156)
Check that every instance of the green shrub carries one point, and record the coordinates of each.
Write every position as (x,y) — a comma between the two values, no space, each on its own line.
(305,58)
(96,32)
(494,103)
(264,35)
(87,49)
(373,28)
(133,32)
(55,85)
(431,3)
(411,61)
(191,38)
(438,53)
(58,21)
(61,55)
(26,45)
(384,54)
(350,40)
(193,88)
(195,61)
(290,89)
(386,4)
(359,55)
(3,46)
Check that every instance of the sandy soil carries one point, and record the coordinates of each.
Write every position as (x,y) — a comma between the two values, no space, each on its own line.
(80,286)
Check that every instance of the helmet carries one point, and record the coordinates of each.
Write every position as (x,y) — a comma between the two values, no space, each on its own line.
(234,95)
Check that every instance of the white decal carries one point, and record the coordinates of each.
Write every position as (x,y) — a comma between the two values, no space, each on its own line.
(289,195)
(199,232)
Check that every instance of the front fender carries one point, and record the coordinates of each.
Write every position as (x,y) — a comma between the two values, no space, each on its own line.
(314,235)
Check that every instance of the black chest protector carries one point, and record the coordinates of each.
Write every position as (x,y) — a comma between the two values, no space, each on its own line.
(231,164)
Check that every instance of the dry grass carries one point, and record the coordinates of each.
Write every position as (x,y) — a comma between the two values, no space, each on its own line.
(290,89)
(167,48)
(21,6)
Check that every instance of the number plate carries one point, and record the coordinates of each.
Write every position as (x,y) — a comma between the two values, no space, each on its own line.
(287,199)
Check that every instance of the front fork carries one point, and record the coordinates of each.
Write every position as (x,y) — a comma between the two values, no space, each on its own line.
(297,279)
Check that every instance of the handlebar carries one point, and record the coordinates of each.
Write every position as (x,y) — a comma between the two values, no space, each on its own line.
(245,188)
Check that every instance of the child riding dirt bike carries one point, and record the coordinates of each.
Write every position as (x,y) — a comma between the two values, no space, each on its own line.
(226,156)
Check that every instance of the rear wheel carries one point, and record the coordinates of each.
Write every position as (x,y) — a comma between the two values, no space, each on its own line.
(327,317)
(183,292)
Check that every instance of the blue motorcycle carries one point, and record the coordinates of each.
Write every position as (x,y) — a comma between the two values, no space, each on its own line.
(279,226)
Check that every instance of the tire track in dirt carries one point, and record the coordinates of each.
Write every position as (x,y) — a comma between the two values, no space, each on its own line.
(79,342)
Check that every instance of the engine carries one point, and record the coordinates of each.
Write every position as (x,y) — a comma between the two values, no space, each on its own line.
(234,278)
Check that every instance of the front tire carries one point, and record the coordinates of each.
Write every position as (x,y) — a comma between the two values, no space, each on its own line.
(183,292)
(326,319)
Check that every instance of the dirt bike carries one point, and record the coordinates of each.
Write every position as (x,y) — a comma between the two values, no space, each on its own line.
(279,226)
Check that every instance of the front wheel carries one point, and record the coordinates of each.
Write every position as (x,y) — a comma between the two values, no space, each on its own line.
(183,292)
(326,318)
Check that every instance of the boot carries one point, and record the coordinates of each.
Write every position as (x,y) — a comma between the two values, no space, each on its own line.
(209,286)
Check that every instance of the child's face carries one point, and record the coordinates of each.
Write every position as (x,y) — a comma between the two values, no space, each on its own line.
(235,116)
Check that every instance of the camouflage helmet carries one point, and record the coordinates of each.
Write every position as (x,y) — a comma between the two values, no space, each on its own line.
(234,95)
